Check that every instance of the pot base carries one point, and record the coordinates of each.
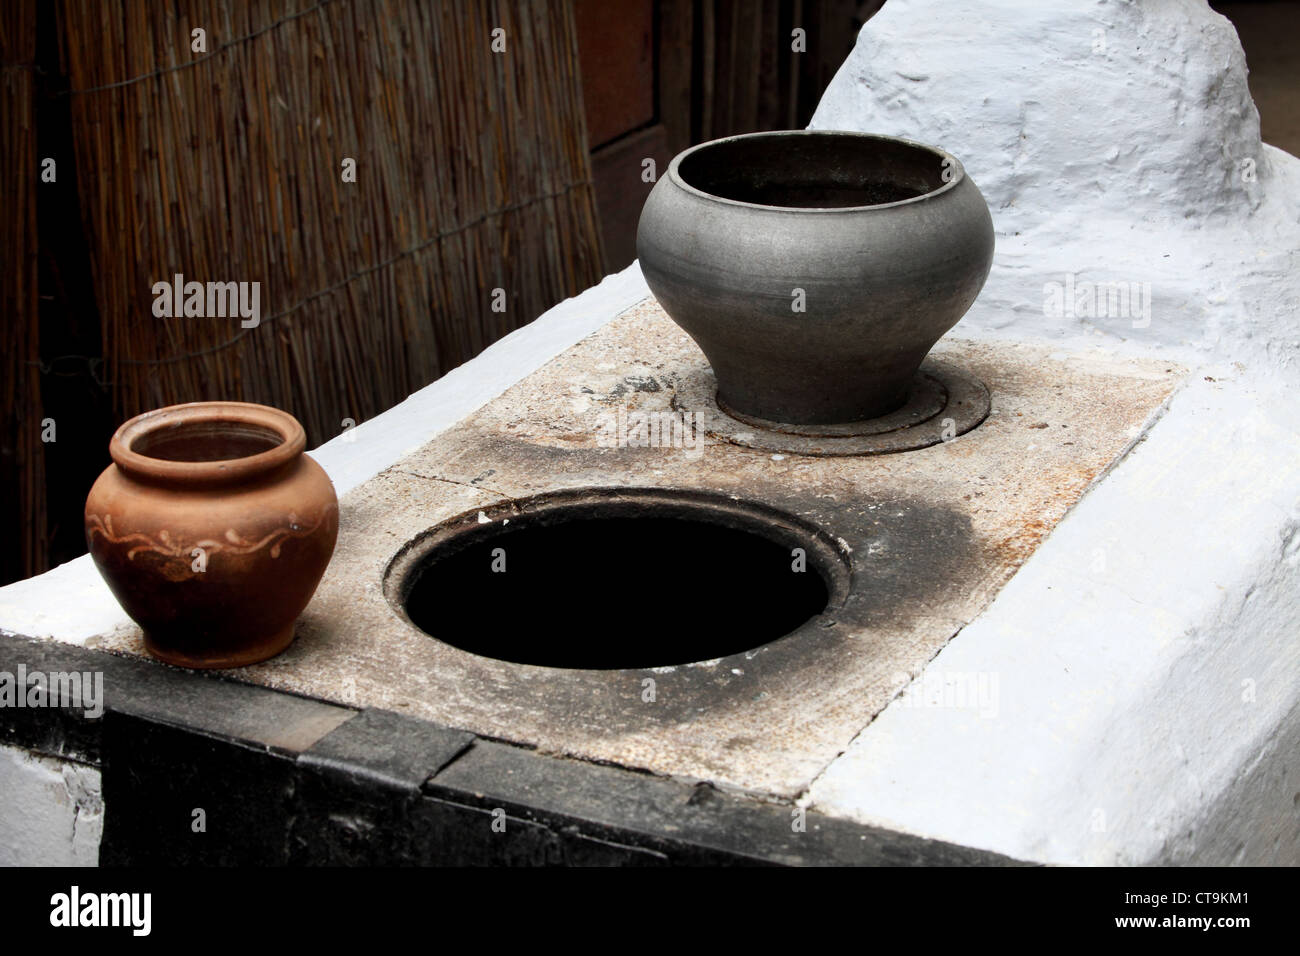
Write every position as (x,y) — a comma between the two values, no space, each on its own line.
(207,659)
(943,402)
(926,397)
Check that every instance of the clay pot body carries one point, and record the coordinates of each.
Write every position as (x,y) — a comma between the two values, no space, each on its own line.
(212,529)
(815,269)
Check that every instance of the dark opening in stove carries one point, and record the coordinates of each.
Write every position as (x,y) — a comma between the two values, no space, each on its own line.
(617,579)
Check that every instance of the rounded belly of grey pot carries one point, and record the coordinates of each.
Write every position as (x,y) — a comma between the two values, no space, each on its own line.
(816,315)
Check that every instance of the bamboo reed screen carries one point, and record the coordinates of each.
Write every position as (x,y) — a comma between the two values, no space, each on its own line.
(23,521)
(750,77)
(472,175)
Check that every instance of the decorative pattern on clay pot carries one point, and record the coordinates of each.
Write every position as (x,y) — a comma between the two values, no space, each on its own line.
(212,529)
(815,269)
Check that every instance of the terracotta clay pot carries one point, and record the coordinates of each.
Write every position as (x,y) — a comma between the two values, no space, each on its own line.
(212,529)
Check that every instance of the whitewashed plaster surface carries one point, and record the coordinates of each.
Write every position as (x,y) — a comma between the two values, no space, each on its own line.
(1145,657)
(53,814)
(1115,140)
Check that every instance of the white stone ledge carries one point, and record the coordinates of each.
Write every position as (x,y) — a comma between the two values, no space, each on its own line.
(1145,659)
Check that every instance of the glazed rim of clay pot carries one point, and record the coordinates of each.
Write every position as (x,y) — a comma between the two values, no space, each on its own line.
(205,443)
(815,171)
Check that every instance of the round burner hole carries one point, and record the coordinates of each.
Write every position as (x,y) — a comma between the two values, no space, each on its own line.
(617,579)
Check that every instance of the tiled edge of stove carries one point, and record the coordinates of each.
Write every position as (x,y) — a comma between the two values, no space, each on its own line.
(197,770)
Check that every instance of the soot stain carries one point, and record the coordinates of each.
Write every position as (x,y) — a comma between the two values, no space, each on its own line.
(906,555)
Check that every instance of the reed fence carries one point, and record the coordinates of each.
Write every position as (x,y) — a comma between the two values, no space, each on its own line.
(226,165)
(22,479)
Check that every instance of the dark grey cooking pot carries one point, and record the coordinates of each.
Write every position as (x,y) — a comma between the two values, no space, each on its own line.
(884,243)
